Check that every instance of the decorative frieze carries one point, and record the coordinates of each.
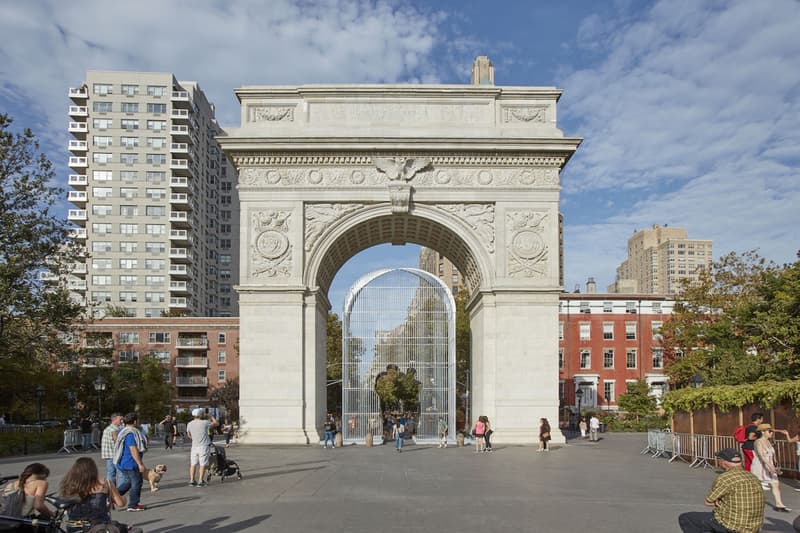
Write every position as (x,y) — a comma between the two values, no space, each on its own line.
(319,217)
(527,247)
(387,112)
(479,217)
(270,113)
(270,248)
(335,159)
(526,114)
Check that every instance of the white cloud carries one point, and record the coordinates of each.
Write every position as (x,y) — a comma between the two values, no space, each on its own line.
(694,112)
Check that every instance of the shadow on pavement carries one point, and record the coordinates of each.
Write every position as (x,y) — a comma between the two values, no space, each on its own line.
(165,503)
(213,525)
(773,524)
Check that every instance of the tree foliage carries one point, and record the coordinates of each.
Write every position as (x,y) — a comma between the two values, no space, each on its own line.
(154,394)
(227,395)
(739,323)
(398,390)
(726,397)
(33,313)
(637,400)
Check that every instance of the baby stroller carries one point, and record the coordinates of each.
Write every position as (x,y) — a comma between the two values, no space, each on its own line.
(219,465)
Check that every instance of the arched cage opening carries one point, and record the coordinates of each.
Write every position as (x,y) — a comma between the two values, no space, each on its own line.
(398,335)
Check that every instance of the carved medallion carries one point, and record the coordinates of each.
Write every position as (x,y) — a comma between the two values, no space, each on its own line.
(479,217)
(527,252)
(525,114)
(270,249)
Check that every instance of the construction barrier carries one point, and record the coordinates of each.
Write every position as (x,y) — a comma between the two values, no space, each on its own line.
(72,439)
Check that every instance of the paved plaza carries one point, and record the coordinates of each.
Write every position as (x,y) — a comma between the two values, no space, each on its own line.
(580,486)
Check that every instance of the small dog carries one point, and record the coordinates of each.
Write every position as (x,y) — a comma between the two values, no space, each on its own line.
(154,475)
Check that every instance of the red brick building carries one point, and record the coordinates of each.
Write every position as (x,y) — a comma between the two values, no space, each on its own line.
(606,341)
(198,353)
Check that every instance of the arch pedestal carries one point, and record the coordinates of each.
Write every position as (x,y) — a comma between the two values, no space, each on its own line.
(326,172)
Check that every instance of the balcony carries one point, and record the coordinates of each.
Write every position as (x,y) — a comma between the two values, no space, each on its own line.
(78,181)
(179,235)
(179,165)
(78,111)
(178,303)
(179,183)
(180,131)
(78,93)
(191,362)
(178,286)
(179,271)
(48,276)
(77,197)
(79,269)
(78,128)
(77,233)
(179,254)
(78,162)
(179,218)
(191,381)
(179,114)
(77,146)
(77,285)
(76,215)
(180,96)
(191,343)
(179,200)
(180,148)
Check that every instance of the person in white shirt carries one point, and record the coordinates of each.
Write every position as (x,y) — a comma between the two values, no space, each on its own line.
(198,430)
(594,427)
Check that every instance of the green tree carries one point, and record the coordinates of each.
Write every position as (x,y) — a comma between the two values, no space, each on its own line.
(153,396)
(227,395)
(398,390)
(35,312)
(334,363)
(463,356)
(637,400)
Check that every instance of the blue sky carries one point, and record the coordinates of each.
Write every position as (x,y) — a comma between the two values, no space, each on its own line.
(690,110)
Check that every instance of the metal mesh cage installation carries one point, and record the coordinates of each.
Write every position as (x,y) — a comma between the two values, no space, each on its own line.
(398,336)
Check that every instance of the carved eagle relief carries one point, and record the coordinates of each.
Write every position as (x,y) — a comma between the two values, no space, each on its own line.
(400,168)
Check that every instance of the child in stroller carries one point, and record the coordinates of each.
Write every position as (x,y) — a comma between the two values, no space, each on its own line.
(220,465)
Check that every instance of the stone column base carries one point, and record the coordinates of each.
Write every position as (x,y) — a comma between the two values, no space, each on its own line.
(273,436)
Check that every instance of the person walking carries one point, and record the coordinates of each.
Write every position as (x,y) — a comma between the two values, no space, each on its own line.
(544,435)
(107,442)
(764,466)
(442,433)
(736,497)
(170,432)
(128,451)
(583,427)
(594,428)
(397,435)
(198,430)
(86,433)
(487,434)
(751,434)
(479,431)
(227,430)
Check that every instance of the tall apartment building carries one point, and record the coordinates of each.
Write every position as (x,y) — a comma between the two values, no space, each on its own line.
(438,265)
(659,258)
(155,198)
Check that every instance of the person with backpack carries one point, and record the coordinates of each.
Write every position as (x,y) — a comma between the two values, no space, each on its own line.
(746,437)
(329,426)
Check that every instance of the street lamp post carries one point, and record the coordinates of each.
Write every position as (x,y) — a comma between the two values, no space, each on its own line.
(100,386)
(579,396)
(40,392)
(697,381)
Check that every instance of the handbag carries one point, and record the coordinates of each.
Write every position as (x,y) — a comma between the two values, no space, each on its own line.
(546,435)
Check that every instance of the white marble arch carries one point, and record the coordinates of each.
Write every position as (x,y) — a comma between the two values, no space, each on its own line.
(327,171)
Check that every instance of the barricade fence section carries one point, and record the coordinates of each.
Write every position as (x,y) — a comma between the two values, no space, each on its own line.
(701,450)
(72,439)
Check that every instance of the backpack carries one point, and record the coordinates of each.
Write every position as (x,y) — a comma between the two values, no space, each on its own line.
(740,435)
(11,503)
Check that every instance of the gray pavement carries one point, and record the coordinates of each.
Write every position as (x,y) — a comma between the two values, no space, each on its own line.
(599,487)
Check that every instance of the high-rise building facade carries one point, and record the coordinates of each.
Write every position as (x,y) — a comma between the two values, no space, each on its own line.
(438,265)
(659,258)
(155,198)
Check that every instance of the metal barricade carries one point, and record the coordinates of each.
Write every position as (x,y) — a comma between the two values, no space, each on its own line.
(652,442)
(72,438)
(664,444)
(787,455)
(95,438)
(681,447)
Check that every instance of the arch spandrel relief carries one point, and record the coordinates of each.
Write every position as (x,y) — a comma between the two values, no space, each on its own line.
(479,217)
(270,245)
(319,217)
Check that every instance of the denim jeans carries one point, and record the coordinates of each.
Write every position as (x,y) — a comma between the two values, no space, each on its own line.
(329,435)
(398,442)
(86,440)
(130,480)
(111,470)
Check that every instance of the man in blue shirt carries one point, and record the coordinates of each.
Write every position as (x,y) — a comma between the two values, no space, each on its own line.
(128,451)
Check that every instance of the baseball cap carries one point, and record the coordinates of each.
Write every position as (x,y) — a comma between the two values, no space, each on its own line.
(197,412)
(729,454)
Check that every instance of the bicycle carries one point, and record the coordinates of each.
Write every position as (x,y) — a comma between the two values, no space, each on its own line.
(56,524)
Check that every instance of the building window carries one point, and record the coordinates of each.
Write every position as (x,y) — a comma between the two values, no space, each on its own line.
(658,358)
(101,280)
(608,307)
(156,90)
(154,281)
(156,176)
(101,228)
(163,356)
(128,337)
(221,338)
(129,124)
(151,297)
(630,358)
(101,246)
(101,210)
(129,229)
(655,326)
(657,308)
(128,280)
(585,331)
(130,107)
(586,359)
(129,193)
(102,123)
(102,264)
(127,296)
(608,358)
(130,90)
(128,246)
(102,141)
(156,142)
(128,264)
(156,108)
(128,355)
(220,375)
(155,229)
(608,331)
(127,141)
(561,331)
(156,159)
(159,337)
(102,157)
(100,297)
(102,89)
(154,264)
(156,125)
(221,356)
(151,312)
(585,308)
(608,391)
(156,194)
(102,175)
(155,247)
(561,358)
(128,210)
(630,331)
(630,307)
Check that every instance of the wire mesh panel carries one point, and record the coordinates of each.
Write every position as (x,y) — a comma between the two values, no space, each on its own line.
(398,334)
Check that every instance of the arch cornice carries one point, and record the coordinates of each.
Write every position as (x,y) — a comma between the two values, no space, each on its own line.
(461,245)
